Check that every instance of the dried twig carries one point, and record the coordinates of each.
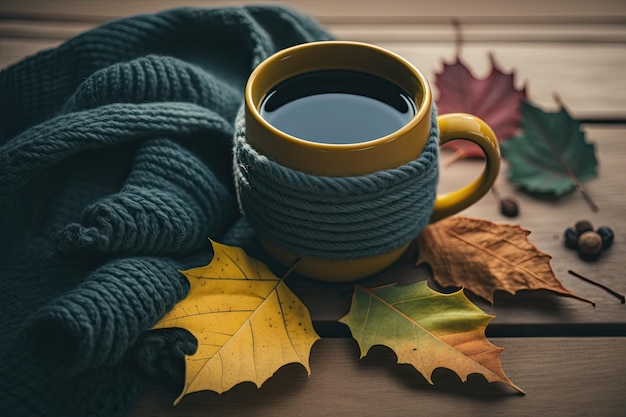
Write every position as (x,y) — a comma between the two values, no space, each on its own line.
(597,284)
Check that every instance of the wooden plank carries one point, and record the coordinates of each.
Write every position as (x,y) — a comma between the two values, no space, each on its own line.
(561,377)
(591,87)
(495,9)
(41,29)
(535,312)
(535,63)
(495,32)
(393,30)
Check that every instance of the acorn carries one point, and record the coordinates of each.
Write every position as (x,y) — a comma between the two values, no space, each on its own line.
(571,238)
(607,235)
(583,226)
(509,207)
(589,245)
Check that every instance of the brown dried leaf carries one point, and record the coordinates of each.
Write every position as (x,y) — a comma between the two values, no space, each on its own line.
(484,257)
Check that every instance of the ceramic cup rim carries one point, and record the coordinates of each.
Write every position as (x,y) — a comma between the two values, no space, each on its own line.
(423,108)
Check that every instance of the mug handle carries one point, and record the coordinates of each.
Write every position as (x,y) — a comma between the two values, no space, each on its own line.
(467,127)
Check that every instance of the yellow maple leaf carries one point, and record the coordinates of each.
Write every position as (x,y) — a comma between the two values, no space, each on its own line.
(247,322)
(426,329)
(483,257)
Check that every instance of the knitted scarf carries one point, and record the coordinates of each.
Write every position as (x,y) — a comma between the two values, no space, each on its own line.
(115,168)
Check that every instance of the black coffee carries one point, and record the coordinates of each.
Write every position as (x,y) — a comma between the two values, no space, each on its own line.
(337,106)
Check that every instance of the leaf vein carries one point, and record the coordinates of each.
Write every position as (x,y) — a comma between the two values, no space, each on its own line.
(491,253)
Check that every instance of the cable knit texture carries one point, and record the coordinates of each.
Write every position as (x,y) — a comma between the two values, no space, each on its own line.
(336,217)
(115,168)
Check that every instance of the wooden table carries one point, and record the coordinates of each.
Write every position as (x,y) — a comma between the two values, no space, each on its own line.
(568,356)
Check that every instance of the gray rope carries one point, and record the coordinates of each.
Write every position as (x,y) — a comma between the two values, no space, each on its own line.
(335,217)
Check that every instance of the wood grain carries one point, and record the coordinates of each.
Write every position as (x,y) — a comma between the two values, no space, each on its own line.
(561,376)
(575,48)
(537,49)
(570,70)
(572,10)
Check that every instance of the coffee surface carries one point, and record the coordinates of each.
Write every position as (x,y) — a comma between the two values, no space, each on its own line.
(337,107)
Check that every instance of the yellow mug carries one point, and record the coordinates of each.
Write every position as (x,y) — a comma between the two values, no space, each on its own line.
(357,159)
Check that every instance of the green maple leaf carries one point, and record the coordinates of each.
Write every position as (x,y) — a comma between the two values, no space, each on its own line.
(550,156)
(426,329)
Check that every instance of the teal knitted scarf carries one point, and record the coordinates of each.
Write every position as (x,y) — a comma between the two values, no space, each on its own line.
(115,167)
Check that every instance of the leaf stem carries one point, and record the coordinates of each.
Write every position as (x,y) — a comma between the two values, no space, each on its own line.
(458,154)
(594,207)
(458,36)
(509,206)
(495,193)
(597,284)
(291,268)
(558,100)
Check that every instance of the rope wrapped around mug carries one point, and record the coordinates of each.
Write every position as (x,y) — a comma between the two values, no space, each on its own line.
(335,218)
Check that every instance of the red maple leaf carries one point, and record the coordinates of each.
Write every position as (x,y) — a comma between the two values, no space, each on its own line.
(494,99)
